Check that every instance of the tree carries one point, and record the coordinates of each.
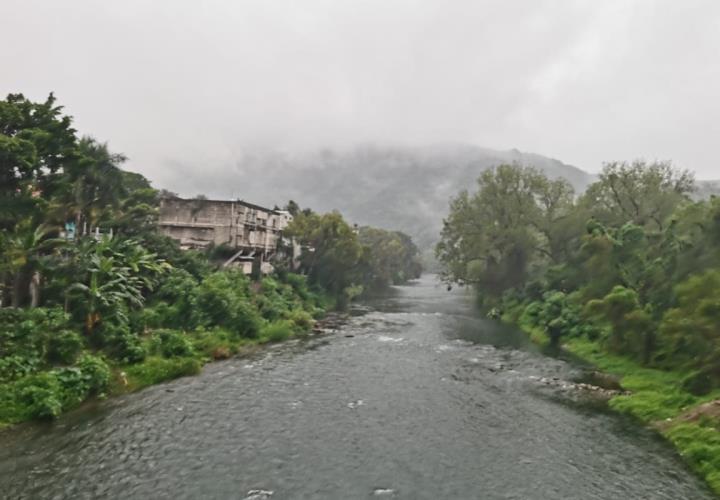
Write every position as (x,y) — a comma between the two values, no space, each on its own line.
(389,257)
(36,143)
(292,207)
(696,230)
(137,213)
(630,326)
(92,187)
(330,250)
(493,238)
(638,192)
(557,218)
(689,331)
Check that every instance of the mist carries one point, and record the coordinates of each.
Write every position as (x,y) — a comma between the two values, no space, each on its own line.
(204,85)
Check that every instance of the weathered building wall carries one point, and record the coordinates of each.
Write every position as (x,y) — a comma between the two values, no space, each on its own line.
(200,223)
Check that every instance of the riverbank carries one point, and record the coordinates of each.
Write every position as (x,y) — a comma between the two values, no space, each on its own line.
(174,354)
(49,365)
(209,346)
(657,399)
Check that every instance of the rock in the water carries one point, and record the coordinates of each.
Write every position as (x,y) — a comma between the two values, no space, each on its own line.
(259,494)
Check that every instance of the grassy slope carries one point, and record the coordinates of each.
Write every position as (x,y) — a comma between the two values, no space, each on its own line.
(657,399)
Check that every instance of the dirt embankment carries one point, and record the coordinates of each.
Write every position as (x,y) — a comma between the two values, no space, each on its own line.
(709,411)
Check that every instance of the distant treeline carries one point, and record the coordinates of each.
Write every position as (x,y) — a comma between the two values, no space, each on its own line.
(347,260)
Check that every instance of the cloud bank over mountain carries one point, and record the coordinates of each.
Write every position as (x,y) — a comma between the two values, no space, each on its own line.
(203,83)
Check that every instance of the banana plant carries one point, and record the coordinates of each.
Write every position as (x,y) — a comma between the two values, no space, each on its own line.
(115,274)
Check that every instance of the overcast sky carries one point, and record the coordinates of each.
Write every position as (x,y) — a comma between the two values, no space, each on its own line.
(200,81)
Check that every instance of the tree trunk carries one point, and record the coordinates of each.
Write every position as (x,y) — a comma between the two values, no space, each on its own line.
(17,289)
(5,286)
(35,290)
(78,227)
(554,333)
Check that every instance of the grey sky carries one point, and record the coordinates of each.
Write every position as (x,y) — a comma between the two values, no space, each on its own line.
(199,81)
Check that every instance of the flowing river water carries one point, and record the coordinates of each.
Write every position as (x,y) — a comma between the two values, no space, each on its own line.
(419,397)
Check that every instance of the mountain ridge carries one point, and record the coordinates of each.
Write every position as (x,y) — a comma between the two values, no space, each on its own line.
(395,187)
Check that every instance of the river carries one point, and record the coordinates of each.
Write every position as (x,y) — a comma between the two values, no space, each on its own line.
(417,398)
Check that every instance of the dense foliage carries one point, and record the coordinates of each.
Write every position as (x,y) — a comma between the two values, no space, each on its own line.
(389,257)
(94,300)
(631,268)
(633,262)
(345,260)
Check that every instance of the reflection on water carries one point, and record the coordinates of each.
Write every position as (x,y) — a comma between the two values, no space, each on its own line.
(418,397)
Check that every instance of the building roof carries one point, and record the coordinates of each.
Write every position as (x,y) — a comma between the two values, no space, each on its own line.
(237,202)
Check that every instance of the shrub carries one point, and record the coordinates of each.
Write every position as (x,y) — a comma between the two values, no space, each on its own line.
(299,283)
(556,315)
(175,302)
(74,385)
(25,332)
(121,344)
(216,340)
(531,313)
(14,366)
(301,320)
(246,320)
(156,316)
(89,377)
(154,370)
(64,347)
(39,396)
(224,300)
(277,331)
(630,326)
(96,373)
(172,344)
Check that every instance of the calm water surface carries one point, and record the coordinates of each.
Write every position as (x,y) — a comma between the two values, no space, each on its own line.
(419,398)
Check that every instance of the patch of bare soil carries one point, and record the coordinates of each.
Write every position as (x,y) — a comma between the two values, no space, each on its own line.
(706,411)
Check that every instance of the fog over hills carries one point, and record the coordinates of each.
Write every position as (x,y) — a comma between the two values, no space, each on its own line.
(393,187)
(705,189)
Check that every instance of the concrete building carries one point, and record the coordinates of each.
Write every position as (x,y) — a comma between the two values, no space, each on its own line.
(253,231)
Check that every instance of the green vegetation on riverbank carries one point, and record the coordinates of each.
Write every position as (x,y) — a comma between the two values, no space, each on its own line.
(49,367)
(626,276)
(95,302)
(658,399)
